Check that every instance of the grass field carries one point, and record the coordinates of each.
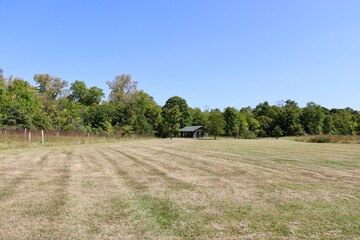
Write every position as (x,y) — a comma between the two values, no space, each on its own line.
(182,189)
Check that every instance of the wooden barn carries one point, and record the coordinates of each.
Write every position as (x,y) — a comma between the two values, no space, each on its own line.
(192,132)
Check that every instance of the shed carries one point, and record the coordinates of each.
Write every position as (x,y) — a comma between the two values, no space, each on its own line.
(192,132)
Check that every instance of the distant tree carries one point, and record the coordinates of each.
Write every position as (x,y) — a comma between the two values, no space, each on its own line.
(50,86)
(357,118)
(81,94)
(67,115)
(122,88)
(266,116)
(216,123)
(313,118)
(181,105)
(171,120)
(249,125)
(278,132)
(328,125)
(100,116)
(231,122)
(243,125)
(21,104)
(147,114)
(344,121)
(78,90)
(289,119)
(197,118)
(93,96)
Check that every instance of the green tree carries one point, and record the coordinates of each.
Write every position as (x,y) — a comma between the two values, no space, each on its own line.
(357,119)
(80,93)
(78,90)
(249,125)
(313,118)
(50,86)
(344,121)
(216,123)
(171,120)
(278,132)
(20,104)
(289,119)
(99,116)
(243,125)
(147,114)
(122,88)
(93,96)
(180,104)
(197,117)
(328,125)
(266,116)
(231,122)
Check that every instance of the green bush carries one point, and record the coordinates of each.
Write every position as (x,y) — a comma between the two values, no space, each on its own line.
(329,139)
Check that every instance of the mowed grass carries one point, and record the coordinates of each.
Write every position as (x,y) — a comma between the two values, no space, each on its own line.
(182,189)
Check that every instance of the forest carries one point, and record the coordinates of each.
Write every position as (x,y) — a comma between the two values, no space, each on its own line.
(53,104)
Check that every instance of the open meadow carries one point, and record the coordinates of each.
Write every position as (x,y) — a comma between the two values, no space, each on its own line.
(182,189)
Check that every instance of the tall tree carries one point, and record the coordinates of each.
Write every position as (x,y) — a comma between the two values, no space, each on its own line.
(181,105)
(216,123)
(231,122)
(171,120)
(122,88)
(78,90)
(289,119)
(328,125)
(21,104)
(50,86)
(344,121)
(249,125)
(80,93)
(99,117)
(266,116)
(147,114)
(197,118)
(313,118)
(93,96)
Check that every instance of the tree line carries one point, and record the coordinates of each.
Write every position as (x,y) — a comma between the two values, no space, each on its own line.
(54,104)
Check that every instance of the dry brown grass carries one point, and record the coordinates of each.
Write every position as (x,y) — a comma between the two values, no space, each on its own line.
(182,189)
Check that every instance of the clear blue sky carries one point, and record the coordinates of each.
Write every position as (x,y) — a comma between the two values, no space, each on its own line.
(212,53)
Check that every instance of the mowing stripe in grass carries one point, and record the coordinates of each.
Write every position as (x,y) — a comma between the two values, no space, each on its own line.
(53,208)
(187,161)
(130,181)
(8,190)
(140,160)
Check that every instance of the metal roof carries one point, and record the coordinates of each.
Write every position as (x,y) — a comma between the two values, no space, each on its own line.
(190,128)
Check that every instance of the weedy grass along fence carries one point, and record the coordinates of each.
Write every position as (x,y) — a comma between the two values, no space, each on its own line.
(26,138)
(323,138)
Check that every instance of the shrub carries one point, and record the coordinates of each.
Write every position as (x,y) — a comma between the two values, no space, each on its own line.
(329,139)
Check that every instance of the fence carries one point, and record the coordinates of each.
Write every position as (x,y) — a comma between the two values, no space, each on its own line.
(14,138)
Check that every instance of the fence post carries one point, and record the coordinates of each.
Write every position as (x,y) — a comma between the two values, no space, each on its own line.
(42,137)
(29,137)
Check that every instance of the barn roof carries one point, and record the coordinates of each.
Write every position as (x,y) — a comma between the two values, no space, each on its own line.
(190,128)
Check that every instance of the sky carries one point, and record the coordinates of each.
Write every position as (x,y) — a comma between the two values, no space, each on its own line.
(213,53)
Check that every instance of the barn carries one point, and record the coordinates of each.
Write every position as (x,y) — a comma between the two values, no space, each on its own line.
(192,132)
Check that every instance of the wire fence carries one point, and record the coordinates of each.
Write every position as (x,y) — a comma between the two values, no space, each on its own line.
(22,138)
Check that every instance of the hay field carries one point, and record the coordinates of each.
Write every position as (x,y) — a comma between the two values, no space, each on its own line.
(182,189)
